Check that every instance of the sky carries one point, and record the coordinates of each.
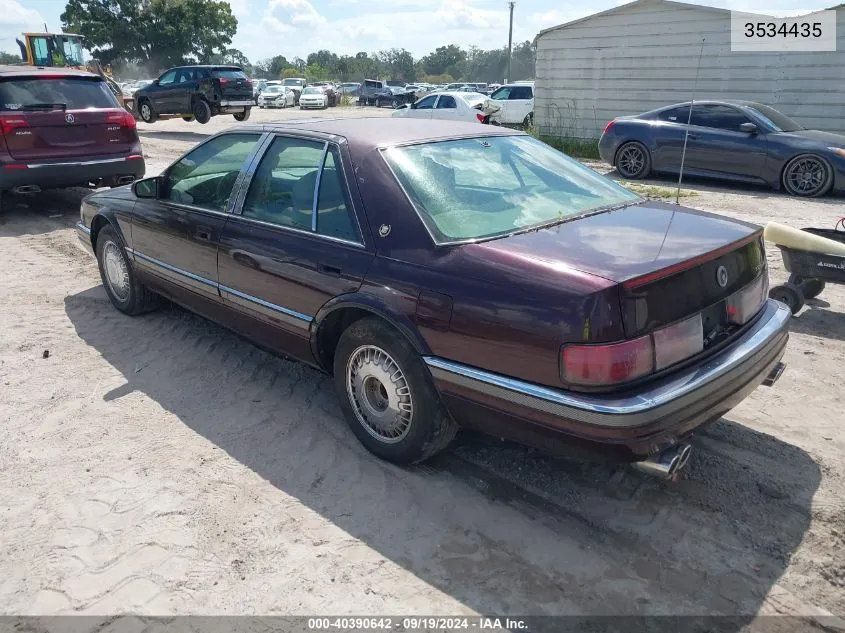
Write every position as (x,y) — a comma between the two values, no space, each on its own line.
(297,27)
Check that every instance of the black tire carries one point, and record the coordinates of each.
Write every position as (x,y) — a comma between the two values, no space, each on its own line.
(146,112)
(790,295)
(243,116)
(807,176)
(202,111)
(428,428)
(528,121)
(810,287)
(137,298)
(187,119)
(633,161)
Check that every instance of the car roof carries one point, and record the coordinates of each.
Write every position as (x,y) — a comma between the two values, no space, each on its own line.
(368,133)
(729,102)
(23,69)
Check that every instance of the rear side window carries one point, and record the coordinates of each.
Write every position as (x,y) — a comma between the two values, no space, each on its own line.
(675,115)
(228,73)
(74,93)
(446,101)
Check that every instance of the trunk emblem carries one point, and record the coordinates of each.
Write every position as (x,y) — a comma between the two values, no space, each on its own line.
(722,276)
(69,118)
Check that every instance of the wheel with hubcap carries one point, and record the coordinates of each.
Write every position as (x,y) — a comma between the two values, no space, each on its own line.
(811,287)
(807,176)
(202,111)
(387,396)
(633,161)
(243,116)
(790,295)
(528,121)
(126,293)
(146,112)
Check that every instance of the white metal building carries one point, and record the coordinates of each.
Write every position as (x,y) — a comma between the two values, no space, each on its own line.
(643,55)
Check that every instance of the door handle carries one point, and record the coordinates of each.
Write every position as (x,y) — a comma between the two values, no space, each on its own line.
(329,270)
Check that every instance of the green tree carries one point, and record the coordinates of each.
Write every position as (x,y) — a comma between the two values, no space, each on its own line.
(8,58)
(155,33)
(289,73)
(315,72)
(398,64)
(445,59)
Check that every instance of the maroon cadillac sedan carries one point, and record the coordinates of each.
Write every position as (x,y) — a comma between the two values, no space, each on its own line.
(453,274)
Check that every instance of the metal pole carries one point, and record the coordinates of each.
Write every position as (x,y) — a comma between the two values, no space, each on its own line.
(510,40)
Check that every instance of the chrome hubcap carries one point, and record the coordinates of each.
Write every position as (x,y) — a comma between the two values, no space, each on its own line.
(117,274)
(379,394)
(145,111)
(806,176)
(631,161)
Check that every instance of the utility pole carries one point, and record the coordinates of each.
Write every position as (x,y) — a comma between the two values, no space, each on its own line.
(510,40)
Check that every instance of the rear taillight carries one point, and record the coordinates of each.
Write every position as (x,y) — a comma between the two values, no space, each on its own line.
(10,123)
(616,363)
(122,118)
(598,365)
(223,81)
(608,126)
(745,303)
(480,117)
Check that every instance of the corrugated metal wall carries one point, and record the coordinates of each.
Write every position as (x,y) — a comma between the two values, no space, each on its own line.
(644,56)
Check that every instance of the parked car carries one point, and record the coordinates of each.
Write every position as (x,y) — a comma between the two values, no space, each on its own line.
(353,89)
(297,84)
(517,101)
(582,314)
(314,97)
(258,86)
(730,140)
(377,93)
(331,92)
(455,106)
(277,97)
(63,128)
(196,93)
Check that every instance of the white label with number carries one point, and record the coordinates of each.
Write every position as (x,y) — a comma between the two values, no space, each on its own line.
(752,32)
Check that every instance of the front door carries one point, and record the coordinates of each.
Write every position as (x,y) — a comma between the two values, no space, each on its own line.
(717,146)
(424,108)
(162,93)
(295,243)
(174,237)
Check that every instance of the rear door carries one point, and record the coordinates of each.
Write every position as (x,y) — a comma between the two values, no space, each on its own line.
(61,116)
(187,83)
(446,108)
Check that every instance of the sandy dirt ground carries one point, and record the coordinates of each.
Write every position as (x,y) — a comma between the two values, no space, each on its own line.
(161,465)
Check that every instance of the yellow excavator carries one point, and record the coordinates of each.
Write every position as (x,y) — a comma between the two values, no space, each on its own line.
(66,50)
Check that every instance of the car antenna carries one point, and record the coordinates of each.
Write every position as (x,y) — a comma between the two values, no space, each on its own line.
(689,119)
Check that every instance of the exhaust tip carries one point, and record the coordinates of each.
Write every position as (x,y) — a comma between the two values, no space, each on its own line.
(666,465)
(773,376)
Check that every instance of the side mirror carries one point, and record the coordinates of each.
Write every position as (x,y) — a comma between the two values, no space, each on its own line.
(748,128)
(155,82)
(146,188)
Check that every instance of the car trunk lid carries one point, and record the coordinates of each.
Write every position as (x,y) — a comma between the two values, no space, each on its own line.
(46,117)
(667,261)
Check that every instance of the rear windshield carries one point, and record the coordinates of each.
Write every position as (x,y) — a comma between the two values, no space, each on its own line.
(228,73)
(74,93)
(482,188)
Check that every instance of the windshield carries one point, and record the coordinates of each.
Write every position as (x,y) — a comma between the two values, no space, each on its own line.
(292,82)
(273,89)
(311,90)
(780,122)
(482,188)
